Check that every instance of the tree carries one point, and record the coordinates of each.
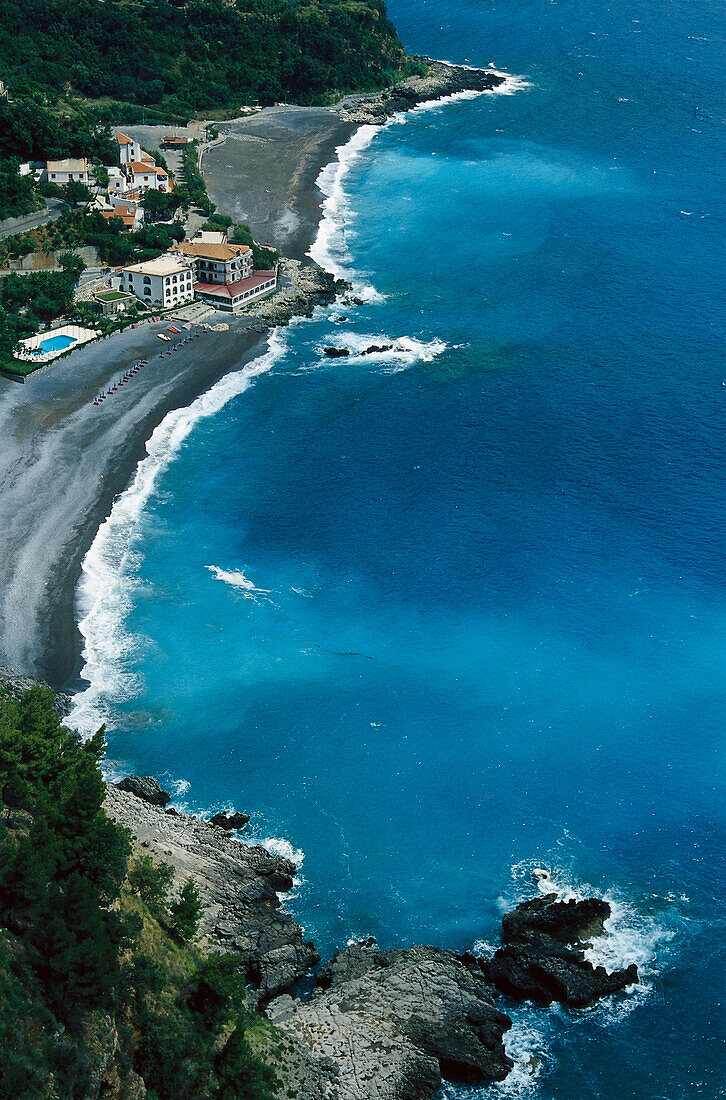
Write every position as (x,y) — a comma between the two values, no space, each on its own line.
(100,174)
(76,192)
(152,882)
(241,1073)
(72,265)
(186,911)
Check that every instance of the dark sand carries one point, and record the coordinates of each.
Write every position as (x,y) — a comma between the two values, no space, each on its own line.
(265,172)
(64,461)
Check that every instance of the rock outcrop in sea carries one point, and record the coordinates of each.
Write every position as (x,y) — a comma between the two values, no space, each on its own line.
(441,79)
(390,1024)
(543,957)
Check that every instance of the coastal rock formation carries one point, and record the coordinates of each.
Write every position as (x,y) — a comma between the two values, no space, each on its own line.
(393,1024)
(336,353)
(146,788)
(238,886)
(13,683)
(543,958)
(231,821)
(441,79)
(301,287)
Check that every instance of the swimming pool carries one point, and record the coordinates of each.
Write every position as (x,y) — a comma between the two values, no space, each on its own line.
(54,343)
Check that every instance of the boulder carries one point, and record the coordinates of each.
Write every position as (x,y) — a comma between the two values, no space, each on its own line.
(548,918)
(146,788)
(231,821)
(352,962)
(336,353)
(394,1024)
(543,957)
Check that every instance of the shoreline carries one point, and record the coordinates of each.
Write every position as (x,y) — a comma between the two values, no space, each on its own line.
(64,462)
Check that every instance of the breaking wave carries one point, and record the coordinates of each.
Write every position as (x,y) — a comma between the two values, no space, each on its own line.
(330,248)
(402,351)
(108,579)
(235,578)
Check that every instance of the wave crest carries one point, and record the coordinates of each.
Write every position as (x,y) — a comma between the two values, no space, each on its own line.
(108,570)
(235,578)
(402,351)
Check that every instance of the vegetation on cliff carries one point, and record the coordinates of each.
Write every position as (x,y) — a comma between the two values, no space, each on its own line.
(189,56)
(103,989)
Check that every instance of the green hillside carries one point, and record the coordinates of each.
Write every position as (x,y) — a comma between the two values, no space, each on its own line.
(104,990)
(197,56)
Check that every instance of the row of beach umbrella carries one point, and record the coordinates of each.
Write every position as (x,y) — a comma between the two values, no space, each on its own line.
(142,363)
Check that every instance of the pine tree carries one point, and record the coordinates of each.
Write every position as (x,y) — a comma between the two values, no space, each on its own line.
(186,911)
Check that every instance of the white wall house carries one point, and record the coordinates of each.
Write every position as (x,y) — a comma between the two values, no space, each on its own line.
(117,184)
(143,176)
(166,281)
(63,171)
(218,262)
(128,149)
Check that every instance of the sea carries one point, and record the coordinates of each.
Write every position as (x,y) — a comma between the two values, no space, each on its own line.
(441,615)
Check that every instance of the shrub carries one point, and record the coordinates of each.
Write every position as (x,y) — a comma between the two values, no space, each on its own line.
(152,882)
(186,911)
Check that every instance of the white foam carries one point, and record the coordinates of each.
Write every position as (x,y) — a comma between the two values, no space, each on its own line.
(279,846)
(107,580)
(526,1045)
(330,249)
(235,578)
(631,934)
(404,350)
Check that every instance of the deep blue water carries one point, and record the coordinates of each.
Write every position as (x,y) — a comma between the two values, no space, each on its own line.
(442,617)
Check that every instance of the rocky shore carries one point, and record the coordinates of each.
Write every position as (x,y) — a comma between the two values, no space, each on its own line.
(441,79)
(389,1024)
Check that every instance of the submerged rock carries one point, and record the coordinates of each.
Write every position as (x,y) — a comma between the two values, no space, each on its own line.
(146,788)
(543,958)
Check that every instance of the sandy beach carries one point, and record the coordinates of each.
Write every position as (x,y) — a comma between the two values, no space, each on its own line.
(63,461)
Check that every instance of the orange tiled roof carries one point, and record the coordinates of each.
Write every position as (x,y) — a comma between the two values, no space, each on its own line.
(212,251)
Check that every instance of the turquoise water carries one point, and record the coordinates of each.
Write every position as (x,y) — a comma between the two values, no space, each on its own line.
(55,343)
(445,614)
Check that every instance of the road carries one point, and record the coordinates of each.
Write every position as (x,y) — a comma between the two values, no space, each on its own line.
(54,209)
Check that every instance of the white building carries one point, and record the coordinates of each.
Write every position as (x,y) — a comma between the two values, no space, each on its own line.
(166,281)
(128,149)
(145,176)
(117,185)
(63,171)
(217,262)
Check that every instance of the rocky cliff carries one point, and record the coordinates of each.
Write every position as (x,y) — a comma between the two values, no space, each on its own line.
(239,887)
(380,1024)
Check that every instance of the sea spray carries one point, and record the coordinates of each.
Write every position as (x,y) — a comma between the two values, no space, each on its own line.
(107,580)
